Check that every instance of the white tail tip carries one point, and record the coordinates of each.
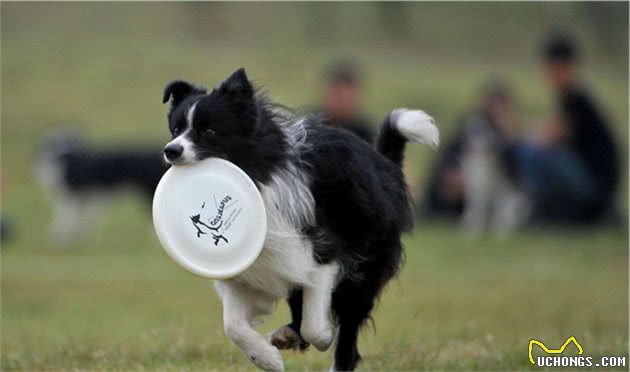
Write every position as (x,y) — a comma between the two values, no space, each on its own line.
(416,125)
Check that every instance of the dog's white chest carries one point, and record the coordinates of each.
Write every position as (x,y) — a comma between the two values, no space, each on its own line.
(287,258)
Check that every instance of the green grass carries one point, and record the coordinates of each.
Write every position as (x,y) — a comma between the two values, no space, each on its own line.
(116,302)
(120,304)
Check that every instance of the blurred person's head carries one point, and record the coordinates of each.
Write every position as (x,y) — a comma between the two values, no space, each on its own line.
(341,90)
(496,101)
(560,57)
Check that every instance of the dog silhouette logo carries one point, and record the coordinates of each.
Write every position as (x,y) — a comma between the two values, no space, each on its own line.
(547,350)
(212,225)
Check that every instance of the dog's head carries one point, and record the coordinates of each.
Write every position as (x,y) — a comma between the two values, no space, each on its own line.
(214,124)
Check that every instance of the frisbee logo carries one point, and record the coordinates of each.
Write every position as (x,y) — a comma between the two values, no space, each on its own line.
(210,218)
(215,225)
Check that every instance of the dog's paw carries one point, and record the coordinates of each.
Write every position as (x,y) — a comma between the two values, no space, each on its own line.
(287,338)
(321,339)
(268,359)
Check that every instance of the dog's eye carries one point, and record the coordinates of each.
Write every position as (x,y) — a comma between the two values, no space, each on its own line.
(175,131)
(209,132)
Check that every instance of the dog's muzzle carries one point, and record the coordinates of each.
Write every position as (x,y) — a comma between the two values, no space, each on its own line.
(172,152)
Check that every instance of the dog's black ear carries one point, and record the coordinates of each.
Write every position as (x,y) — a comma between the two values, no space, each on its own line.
(179,89)
(238,85)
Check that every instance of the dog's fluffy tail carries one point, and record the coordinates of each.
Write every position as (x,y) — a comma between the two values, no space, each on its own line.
(402,125)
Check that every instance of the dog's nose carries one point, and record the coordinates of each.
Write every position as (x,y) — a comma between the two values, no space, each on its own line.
(173,151)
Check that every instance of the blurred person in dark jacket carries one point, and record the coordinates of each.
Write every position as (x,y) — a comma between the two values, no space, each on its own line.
(570,169)
(340,105)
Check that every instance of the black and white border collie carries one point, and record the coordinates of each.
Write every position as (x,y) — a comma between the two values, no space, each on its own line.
(336,208)
(81,180)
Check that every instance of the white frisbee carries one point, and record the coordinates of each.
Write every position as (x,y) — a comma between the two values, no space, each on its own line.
(210,218)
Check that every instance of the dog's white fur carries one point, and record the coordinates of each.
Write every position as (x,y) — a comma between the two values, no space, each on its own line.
(417,126)
(492,201)
(183,140)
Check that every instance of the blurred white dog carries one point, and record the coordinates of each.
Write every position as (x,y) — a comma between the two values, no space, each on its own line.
(493,202)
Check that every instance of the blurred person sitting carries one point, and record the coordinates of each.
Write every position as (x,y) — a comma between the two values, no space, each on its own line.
(461,174)
(570,168)
(340,105)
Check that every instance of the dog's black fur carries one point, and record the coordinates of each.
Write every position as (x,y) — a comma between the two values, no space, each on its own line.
(361,200)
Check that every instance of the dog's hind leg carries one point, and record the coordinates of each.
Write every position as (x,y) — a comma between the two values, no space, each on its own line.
(295,305)
(241,309)
(352,304)
(288,336)
(347,353)
(354,298)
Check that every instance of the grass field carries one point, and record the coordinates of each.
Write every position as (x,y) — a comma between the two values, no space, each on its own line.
(121,304)
(116,302)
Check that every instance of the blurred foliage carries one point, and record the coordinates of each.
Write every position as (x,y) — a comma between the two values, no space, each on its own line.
(103,65)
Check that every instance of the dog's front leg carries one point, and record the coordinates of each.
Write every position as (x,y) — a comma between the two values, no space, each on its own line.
(241,307)
(317,327)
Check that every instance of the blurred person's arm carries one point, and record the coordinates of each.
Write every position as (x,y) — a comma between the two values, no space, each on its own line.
(551,132)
